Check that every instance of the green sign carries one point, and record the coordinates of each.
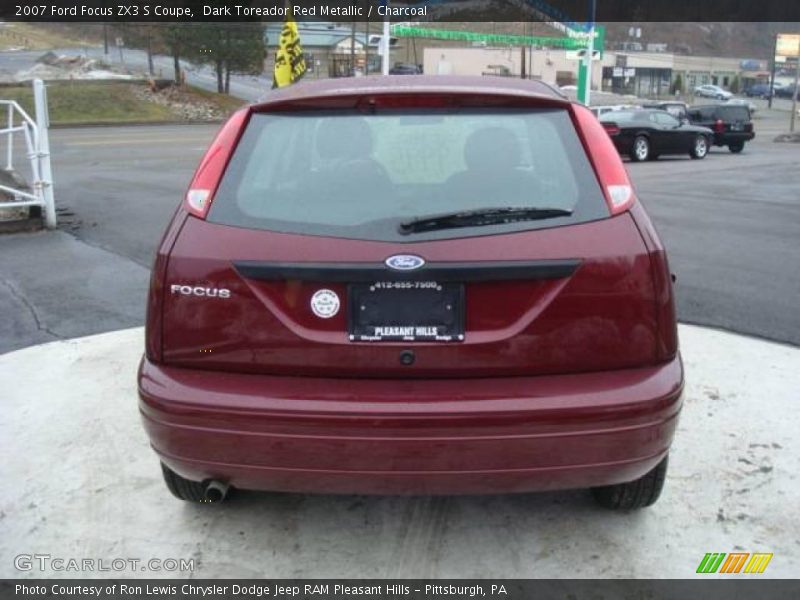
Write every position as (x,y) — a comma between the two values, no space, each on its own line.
(499,39)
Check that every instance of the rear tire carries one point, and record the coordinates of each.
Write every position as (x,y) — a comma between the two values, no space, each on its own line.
(183,489)
(736,148)
(699,147)
(641,149)
(639,493)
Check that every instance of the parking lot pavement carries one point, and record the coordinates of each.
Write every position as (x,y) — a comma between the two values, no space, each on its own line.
(53,286)
(85,484)
(731,225)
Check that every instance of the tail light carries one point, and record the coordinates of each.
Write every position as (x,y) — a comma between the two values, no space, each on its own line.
(612,129)
(208,175)
(719,126)
(155,298)
(197,201)
(605,159)
(153,330)
(667,343)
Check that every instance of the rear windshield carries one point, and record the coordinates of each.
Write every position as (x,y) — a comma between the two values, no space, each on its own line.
(359,176)
(734,113)
(726,113)
(625,116)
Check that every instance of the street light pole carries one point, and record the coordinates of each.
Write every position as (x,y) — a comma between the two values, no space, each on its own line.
(772,75)
(795,94)
(588,58)
(585,76)
(385,41)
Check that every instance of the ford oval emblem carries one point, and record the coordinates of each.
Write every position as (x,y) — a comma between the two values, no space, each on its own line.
(404,262)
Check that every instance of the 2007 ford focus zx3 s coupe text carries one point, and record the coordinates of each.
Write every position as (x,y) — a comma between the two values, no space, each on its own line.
(412,285)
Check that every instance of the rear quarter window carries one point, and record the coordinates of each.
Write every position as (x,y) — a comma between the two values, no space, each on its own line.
(347,174)
(706,113)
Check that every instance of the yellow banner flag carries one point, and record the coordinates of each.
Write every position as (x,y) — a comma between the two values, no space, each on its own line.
(290,64)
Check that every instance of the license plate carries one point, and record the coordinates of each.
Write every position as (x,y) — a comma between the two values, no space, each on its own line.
(737,127)
(408,311)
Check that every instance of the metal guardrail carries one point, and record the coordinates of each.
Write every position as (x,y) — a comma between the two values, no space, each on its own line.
(37,152)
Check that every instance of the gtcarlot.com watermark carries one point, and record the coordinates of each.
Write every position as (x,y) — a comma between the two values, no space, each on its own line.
(50,563)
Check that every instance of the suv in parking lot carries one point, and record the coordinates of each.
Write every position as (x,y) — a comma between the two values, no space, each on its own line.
(730,123)
(412,285)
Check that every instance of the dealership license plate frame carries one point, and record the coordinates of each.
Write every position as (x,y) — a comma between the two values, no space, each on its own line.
(394,300)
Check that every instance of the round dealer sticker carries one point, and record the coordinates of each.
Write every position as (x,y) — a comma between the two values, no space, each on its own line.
(325,303)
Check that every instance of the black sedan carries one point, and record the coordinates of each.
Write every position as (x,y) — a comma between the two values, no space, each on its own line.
(645,134)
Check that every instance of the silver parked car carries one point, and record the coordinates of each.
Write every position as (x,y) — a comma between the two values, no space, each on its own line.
(712,91)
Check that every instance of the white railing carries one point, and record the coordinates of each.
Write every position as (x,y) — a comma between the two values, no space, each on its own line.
(37,152)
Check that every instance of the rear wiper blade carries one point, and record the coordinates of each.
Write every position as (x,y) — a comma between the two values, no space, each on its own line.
(480,217)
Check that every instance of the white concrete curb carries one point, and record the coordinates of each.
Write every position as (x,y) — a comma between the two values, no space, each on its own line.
(79,481)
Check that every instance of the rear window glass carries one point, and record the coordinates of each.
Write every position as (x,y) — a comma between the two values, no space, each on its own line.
(625,116)
(706,113)
(726,113)
(734,113)
(359,176)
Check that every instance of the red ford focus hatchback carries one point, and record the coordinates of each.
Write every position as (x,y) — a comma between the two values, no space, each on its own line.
(412,285)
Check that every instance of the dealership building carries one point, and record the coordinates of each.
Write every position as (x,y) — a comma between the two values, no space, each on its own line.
(640,73)
(332,51)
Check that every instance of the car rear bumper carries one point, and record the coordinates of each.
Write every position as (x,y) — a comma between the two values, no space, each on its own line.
(733,137)
(411,436)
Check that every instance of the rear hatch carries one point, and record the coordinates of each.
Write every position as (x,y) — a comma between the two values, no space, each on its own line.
(735,119)
(441,239)
(723,119)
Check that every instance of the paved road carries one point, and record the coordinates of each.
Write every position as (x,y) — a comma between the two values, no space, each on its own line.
(731,224)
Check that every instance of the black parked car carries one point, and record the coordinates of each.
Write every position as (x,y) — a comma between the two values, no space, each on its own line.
(787,91)
(405,69)
(730,123)
(758,90)
(645,134)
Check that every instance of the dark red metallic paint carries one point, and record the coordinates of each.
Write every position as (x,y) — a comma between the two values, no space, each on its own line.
(414,436)
(600,318)
(563,383)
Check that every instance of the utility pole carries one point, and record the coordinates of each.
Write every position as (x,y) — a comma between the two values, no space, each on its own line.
(353,50)
(794,95)
(772,75)
(585,67)
(366,48)
(530,55)
(385,41)
(150,68)
(105,39)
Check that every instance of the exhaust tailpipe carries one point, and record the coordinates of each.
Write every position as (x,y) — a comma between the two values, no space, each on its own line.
(215,491)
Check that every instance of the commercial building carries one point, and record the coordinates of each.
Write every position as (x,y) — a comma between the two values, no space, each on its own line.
(330,49)
(639,73)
